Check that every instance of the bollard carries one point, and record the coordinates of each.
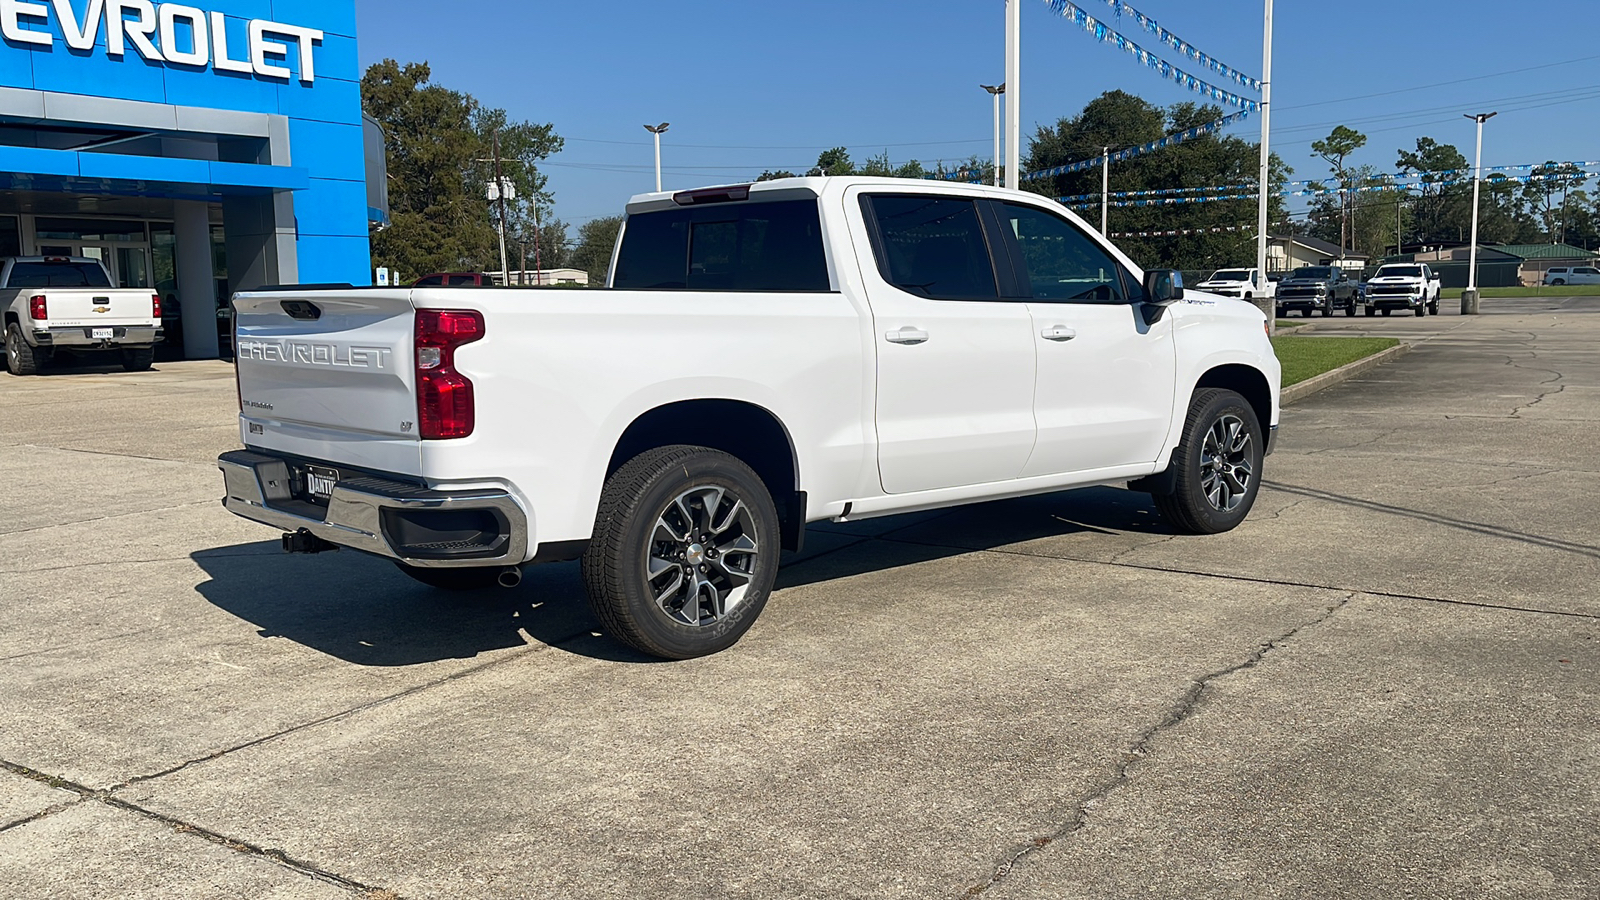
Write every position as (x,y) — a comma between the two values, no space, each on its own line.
(1269,306)
(1469,302)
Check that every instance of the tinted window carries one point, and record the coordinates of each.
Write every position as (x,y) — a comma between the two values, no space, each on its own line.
(459,280)
(430,281)
(1061,262)
(932,246)
(58,274)
(1312,272)
(1586,270)
(725,247)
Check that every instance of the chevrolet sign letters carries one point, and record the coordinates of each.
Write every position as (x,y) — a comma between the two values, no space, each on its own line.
(162,32)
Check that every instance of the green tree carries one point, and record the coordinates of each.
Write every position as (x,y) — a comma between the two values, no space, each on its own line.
(596,239)
(1442,205)
(1548,193)
(439,219)
(833,162)
(1335,149)
(522,146)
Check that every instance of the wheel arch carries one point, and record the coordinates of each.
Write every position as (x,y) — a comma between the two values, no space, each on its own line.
(1246,381)
(737,427)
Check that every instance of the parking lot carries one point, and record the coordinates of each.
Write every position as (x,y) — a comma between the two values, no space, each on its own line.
(1382,685)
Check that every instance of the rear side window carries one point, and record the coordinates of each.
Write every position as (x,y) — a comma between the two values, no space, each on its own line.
(932,246)
(460,280)
(773,246)
(1558,271)
(57,274)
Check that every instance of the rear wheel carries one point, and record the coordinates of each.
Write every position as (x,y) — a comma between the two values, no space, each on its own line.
(1559,281)
(1219,465)
(454,578)
(21,359)
(684,551)
(138,359)
(1350,311)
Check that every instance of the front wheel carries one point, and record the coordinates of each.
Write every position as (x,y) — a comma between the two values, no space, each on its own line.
(1386,311)
(684,551)
(1422,310)
(1433,308)
(1219,465)
(1370,312)
(1350,311)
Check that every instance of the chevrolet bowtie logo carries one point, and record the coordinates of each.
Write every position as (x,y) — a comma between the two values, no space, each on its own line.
(102,309)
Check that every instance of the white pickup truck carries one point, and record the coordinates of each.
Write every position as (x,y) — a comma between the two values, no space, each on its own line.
(1245,284)
(1405,286)
(764,356)
(51,303)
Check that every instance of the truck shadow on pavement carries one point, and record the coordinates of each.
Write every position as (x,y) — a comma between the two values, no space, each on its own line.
(360,609)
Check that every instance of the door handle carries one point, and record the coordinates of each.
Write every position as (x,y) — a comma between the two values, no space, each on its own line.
(1058,333)
(906,335)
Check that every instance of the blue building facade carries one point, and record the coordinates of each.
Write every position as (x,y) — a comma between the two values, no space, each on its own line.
(196,148)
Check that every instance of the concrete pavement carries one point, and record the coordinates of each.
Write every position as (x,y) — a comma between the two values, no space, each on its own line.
(1383,684)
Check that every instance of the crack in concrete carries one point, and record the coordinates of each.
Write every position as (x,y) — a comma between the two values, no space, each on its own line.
(131,512)
(1141,747)
(271,854)
(41,814)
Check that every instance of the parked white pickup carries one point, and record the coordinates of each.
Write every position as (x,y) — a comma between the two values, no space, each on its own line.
(765,356)
(51,303)
(1246,284)
(1408,286)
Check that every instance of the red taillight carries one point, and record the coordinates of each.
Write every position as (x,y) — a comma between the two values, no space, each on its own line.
(155,306)
(37,309)
(444,396)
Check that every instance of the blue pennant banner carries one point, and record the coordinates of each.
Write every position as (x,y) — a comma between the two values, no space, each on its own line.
(1168,141)
(1187,49)
(1176,232)
(1105,34)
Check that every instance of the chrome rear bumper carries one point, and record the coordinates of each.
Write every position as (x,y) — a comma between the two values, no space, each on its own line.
(370,513)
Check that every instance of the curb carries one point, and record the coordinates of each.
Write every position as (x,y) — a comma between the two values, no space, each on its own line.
(1294,329)
(1297,392)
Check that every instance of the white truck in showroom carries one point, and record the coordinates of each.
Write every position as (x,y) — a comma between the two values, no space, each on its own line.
(51,303)
(764,356)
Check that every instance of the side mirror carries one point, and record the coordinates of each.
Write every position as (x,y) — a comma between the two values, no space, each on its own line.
(1163,286)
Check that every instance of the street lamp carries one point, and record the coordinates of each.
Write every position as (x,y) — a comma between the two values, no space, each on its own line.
(1105,186)
(657,130)
(996,90)
(1469,297)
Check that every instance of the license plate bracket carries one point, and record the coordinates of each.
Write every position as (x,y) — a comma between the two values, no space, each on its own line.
(319,481)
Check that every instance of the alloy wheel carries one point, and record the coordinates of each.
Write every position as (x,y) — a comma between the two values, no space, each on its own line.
(702,555)
(1226,466)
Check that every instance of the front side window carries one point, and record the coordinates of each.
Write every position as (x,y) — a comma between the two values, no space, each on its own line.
(1062,263)
(1588,270)
(754,246)
(933,247)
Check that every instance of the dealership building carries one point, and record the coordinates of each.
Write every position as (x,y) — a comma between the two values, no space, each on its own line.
(194,149)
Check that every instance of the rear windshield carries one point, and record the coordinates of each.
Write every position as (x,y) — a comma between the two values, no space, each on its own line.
(58,274)
(1313,272)
(1399,272)
(724,247)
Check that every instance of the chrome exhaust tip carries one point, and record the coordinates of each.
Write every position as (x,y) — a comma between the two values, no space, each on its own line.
(510,576)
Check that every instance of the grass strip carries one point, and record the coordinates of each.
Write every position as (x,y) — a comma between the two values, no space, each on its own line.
(1565,290)
(1305,357)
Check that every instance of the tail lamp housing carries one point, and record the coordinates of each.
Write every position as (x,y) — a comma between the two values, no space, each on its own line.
(445,405)
(155,306)
(38,309)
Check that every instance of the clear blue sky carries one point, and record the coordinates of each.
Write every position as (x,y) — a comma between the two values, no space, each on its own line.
(749,86)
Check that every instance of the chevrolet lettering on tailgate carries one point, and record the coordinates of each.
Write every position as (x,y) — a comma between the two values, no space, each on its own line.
(315,354)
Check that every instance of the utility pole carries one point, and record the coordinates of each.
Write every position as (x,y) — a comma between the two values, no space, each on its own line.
(500,193)
(1013,85)
(1105,186)
(996,90)
(1469,297)
(657,131)
(1266,153)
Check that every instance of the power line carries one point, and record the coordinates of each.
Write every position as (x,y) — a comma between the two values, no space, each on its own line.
(1423,87)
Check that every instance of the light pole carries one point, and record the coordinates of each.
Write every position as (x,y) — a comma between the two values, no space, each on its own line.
(657,130)
(1469,297)
(1013,93)
(1266,155)
(1105,185)
(996,90)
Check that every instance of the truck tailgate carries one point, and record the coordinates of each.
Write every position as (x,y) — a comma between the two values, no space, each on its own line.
(329,376)
(88,307)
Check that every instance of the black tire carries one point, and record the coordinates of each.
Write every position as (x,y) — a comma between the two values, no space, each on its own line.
(22,359)
(650,511)
(1386,311)
(1422,310)
(1558,282)
(1189,508)
(1327,309)
(1350,311)
(468,578)
(1370,312)
(1306,312)
(1433,308)
(137,359)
